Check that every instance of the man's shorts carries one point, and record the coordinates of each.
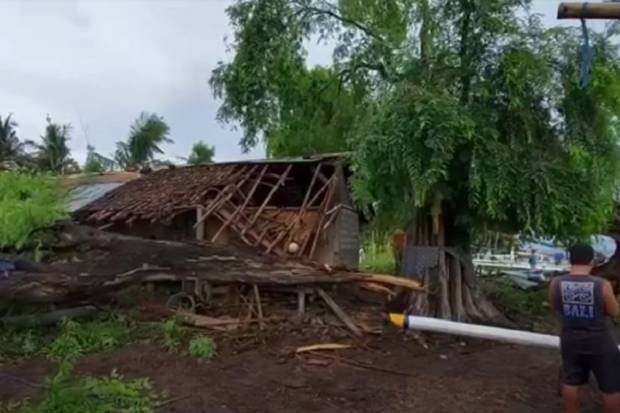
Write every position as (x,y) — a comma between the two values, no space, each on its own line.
(605,367)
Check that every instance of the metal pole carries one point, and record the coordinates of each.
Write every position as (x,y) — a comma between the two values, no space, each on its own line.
(589,11)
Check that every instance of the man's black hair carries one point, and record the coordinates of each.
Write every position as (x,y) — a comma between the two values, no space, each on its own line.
(581,254)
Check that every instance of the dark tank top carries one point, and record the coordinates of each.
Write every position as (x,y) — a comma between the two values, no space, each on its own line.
(585,327)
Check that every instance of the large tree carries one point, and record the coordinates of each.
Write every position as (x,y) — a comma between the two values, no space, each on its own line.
(10,146)
(146,136)
(468,117)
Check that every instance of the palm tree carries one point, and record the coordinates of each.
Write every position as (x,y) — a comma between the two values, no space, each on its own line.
(53,153)
(146,135)
(201,154)
(10,146)
(95,162)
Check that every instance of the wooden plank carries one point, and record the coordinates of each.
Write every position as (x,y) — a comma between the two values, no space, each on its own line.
(200,227)
(241,206)
(267,199)
(589,10)
(301,303)
(319,227)
(339,312)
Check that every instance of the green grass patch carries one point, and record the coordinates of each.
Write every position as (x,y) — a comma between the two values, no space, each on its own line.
(18,344)
(90,337)
(173,334)
(65,393)
(202,348)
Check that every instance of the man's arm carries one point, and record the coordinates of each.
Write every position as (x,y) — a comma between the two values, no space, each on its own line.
(551,294)
(611,304)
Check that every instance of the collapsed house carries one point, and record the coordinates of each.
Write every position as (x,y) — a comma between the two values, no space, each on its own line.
(299,208)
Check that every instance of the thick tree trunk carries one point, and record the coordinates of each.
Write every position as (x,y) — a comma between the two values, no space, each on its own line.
(452,291)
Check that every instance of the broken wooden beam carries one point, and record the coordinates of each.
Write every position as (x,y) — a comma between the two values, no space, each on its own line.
(339,312)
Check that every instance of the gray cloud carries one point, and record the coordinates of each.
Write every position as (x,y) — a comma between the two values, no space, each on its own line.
(98,64)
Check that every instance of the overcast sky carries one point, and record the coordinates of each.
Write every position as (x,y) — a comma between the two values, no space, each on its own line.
(97,64)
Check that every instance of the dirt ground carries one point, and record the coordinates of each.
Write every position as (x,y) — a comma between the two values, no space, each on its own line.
(264,375)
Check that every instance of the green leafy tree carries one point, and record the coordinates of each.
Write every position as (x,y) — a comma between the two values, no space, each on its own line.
(201,154)
(10,146)
(53,153)
(146,136)
(468,118)
(95,162)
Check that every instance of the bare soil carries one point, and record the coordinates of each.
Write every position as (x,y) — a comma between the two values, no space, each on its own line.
(261,373)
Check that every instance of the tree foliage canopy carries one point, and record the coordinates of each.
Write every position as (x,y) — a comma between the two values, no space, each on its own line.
(468,108)
(201,154)
(146,136)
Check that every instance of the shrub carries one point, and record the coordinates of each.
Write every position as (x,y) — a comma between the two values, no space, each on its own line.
(174,333)
(110,394)
(27,202)
(93,336)
(16,344)
(202,348)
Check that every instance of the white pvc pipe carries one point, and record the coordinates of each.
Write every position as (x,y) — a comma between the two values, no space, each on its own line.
(505,335)
(484,332)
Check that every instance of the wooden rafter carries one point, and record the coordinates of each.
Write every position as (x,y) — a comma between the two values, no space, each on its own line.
(242,206)
(280,182)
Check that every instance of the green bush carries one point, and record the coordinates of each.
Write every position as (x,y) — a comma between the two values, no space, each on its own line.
(202,348)
(27,202)
(111,394)
(17,344)
(89,337)
(174,333)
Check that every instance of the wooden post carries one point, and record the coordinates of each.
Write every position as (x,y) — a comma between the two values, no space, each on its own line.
(200,227)
(259,306)
(301,303)
(589,11)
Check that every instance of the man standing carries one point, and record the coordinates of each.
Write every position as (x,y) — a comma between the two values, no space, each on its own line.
(584,303)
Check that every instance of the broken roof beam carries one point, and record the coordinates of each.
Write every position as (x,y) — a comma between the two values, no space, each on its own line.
(241,206)
(224,196)
(587,10)
(268,198)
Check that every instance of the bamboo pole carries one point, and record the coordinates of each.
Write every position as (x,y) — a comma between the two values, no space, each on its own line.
(588,10)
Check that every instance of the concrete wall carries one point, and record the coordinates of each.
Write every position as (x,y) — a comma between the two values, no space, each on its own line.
(341,243)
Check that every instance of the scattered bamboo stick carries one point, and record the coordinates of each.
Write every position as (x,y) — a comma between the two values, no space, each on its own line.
(324,346)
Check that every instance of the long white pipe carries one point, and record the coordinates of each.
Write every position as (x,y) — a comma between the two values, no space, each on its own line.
(505,335)
(477,331)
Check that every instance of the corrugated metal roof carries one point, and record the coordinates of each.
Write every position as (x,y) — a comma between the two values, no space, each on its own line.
(85,194)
